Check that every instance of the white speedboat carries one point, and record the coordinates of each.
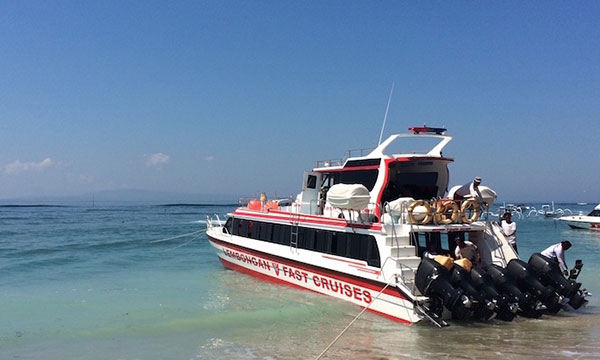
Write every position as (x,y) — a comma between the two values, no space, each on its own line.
(590,221)
(359,229)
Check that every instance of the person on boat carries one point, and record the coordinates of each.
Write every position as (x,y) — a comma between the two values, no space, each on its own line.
(432,250)
(509,229)
(469,190)
(466,250)
(556,252)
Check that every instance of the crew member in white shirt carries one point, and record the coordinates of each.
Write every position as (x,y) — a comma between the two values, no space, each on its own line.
(466,250)
(509,229)
(469,190)
(557,252)
(431,250)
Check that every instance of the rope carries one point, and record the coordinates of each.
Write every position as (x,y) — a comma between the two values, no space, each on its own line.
(182,245)
(177,237)
(353,320)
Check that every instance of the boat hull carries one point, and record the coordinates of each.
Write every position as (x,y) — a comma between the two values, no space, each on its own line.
(581,222)
(583,225)
(390,303)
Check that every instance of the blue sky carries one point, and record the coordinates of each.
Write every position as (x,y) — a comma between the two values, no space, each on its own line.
(239,97)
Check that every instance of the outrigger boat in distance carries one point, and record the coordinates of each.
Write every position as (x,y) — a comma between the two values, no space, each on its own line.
(590,221)
(377,230)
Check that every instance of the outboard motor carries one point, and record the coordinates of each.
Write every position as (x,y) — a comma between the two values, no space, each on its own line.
(433,280)
(483,306)
(527,280)
(505,308)
(550,274)
(578,299)
(576,270)
(528,303)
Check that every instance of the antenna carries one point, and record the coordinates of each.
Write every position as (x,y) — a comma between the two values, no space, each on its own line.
(387,108)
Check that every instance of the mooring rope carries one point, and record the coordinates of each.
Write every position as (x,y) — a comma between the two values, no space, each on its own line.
(178,236)
(354,320)
(182,245)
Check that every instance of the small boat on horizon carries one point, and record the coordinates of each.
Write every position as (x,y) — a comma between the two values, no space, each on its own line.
(590,221)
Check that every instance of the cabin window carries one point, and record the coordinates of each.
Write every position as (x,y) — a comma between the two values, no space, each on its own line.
(364,177)
(237,226)
(257,229)
(276,232)
(341,244)
(420,241)
(324,241)
(354,248)
(417,185)
(373,258)
(301,234)
(311,182)
(349,245)
(309,239)
(243,228)
(362,162)
(285,237)
(228,226)
(250,228)
(445,243)
(268,232)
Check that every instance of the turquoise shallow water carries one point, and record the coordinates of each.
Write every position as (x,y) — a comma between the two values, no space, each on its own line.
(81,282)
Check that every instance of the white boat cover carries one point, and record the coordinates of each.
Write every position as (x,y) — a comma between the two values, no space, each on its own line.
(487,195)
(399,205)
(349,196)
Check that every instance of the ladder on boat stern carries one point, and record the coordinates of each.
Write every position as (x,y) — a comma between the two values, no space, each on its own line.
(295,221)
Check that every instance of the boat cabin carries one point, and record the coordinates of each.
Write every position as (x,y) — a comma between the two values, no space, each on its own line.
(388,172)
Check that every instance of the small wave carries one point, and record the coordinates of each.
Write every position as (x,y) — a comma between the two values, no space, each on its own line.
(32,206)
(195,205)
(185,213)
(76,247)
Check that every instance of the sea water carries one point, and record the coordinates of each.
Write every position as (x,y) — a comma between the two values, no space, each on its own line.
(85,281)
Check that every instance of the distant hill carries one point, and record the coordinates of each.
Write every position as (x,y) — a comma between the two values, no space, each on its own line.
(128,196)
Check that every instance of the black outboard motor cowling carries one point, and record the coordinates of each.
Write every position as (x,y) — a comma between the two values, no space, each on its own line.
(550,274)
(482,305)
(528,303)
(433,280)
(528,281)
(506,310)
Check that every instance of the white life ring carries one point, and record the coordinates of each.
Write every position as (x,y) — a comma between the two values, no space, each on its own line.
(471,203)
(427,217)
(441,213)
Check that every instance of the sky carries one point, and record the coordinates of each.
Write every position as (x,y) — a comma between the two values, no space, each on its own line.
(241,97)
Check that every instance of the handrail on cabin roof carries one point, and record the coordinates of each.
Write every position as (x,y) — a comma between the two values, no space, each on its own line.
(436,151)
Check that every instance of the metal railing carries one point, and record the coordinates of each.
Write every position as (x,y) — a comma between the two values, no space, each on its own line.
(400,275)
(215,221)
(347,155)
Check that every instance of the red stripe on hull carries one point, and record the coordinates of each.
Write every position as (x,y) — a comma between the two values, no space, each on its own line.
(278,281)
(366,283)
(344,261)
